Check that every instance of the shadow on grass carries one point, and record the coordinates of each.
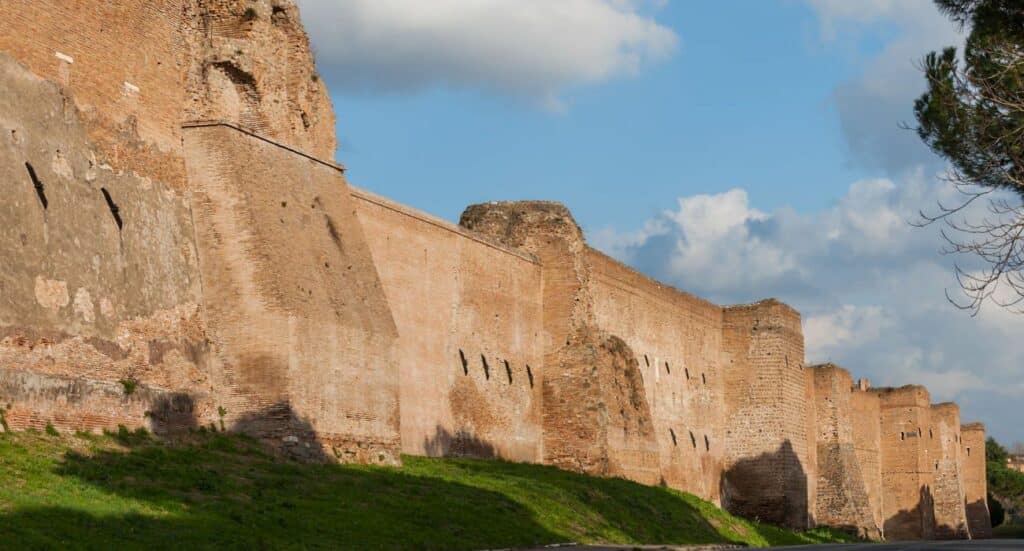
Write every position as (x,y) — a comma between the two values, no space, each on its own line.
(227,492)
(223,492)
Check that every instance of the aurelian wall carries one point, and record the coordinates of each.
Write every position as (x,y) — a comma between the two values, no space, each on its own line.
(768,465)
(303,332)
(944,452)
(99,283)
(177,248)
(136,69)
(677,341)
(468,313)
(908,475)
(972,453)
(595,416)
(865,420)
(842,497)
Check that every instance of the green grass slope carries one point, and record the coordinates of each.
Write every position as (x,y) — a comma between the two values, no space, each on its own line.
(224,492)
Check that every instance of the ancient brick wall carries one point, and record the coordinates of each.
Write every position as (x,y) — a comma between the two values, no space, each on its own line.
(972,453)
(842,498)
(865,414)
(767,411)
(944,452)
(677,342)
(303,332)
(137,69)
(177,249)
(98,274)
(908,475)
(468,313)
(596,417)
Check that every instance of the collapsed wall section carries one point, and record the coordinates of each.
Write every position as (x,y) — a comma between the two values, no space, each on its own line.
(300,323)
(769,470)
(99,287)
(908,477)
(677,341)
(595,416)
(948,491)
(866,423)
(468,313)
(972,440)
(842,497)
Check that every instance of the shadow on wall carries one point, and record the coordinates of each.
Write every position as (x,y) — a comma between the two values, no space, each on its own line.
(461,444)
(913,523)
(276,426)
(771,487)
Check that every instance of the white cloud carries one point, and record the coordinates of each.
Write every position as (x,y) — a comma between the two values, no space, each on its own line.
(531,49)
(871,288)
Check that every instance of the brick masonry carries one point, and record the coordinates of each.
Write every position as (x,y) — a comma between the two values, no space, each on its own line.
(176,251)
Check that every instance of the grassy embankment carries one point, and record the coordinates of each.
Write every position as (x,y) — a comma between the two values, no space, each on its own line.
(223,491)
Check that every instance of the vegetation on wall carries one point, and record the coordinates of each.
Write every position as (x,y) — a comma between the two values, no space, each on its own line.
(220,491)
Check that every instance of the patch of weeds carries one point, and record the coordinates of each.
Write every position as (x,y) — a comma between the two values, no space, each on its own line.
(129,384)
(221,412)
(250,14)
(3,421)
(51,430)
(315,77)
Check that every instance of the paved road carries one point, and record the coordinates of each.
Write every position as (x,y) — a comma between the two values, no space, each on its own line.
(969,545)
(972,545)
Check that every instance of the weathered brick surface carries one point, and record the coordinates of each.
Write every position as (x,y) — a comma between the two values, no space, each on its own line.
(972,442)
(944,453)
(767,415)
(908,475)
(866,415)
(842,497)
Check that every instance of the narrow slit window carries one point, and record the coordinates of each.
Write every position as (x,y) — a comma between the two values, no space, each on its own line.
(487,368)
(968,452)
(930,433)
(529,374)
(668,369)
(703,379)
(115,211)
(673,434)
(508,371)
(40,188)
(686,370)
(647,360)
(465,364)
(903,436)
(693,440)
(707,443)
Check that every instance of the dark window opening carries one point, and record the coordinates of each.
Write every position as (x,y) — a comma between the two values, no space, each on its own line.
(693,440)
(529,374)
(968,452)
(40,189)
(703,379)
(903,436)
(647,361)
(508,371)
(930,434)
(465,364)
(115,211)
(673,433)
(686,370)
(487,368)
(936,465)
(707,443)
(667,369)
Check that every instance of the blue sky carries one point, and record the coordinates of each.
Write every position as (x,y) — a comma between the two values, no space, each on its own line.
(735,149)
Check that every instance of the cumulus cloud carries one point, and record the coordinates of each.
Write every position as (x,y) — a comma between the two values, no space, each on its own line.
(870,286)
(530,49)
(873,105)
